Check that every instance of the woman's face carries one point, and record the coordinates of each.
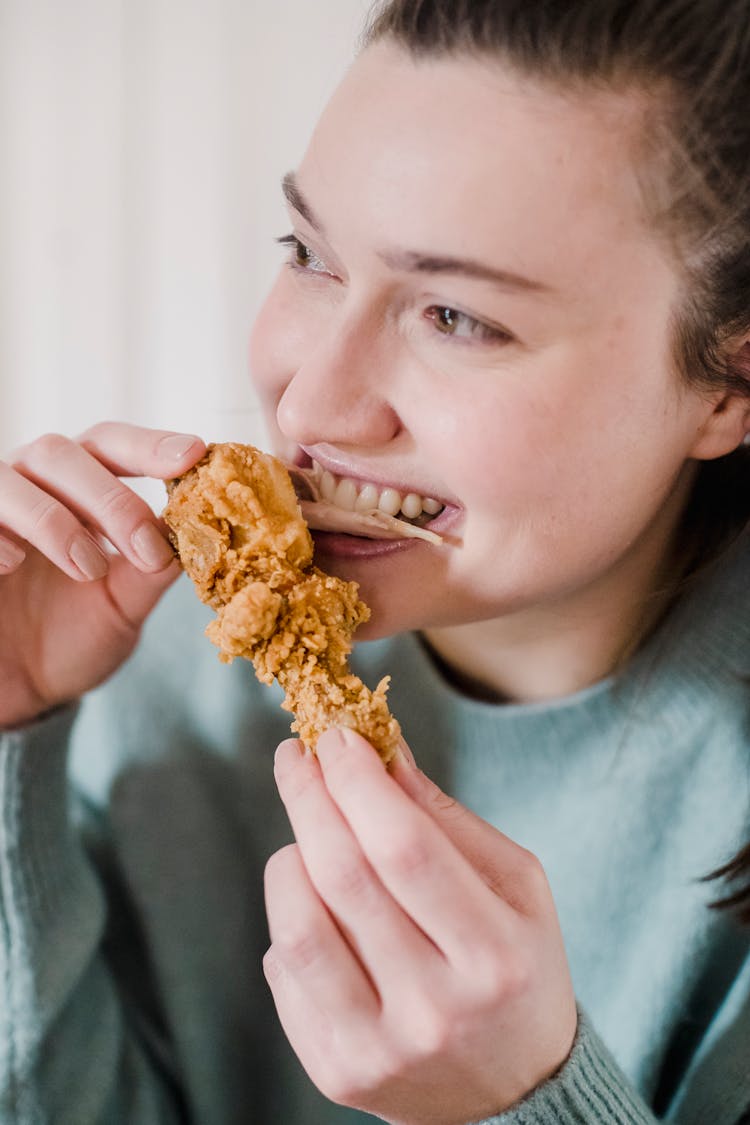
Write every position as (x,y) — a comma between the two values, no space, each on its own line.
(478,313)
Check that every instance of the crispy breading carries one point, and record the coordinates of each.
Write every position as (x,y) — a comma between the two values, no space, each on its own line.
(238,530)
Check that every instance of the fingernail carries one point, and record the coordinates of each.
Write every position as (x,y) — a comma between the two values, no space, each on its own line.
(151,547)
(11,555)
(176,446)
(87,558)
(337,737)
(288,752)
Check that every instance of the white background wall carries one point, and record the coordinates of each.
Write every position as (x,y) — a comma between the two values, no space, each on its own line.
(141,147)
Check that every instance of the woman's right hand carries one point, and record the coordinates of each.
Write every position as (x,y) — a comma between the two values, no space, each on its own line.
(71,612)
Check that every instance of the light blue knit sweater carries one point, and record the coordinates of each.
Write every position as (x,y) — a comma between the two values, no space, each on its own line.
(131,916)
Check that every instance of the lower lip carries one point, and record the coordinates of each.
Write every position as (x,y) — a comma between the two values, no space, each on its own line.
(358,547)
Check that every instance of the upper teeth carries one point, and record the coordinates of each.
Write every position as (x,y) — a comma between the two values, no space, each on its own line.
(361,497)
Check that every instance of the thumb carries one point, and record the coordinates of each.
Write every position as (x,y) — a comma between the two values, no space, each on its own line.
(511,871)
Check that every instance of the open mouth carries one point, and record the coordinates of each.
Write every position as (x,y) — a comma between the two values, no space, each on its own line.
(355,507)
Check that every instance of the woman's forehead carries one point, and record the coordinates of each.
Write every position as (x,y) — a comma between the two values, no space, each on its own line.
(452,144)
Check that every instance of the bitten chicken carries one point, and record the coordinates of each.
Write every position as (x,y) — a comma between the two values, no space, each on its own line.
(238,530)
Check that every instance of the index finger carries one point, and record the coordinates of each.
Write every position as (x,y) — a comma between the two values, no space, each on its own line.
(137,451)
(372,922)
(422,869)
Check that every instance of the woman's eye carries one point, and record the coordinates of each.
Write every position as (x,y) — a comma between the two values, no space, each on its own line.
(451,322)
(301,256)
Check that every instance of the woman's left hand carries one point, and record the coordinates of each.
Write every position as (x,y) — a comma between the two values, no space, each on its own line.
(416,959)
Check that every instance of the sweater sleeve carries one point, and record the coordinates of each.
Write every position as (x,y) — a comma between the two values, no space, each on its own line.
(69,1053)
(589,1089)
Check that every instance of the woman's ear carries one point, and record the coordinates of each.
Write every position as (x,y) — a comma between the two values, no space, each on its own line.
(728,424)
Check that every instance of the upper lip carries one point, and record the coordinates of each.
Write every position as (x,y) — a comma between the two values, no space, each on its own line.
(341,466)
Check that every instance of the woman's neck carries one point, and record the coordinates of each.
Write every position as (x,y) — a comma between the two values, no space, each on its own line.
(557,649)
(484,661)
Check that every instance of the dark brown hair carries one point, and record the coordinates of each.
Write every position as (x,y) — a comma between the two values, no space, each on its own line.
(691,60)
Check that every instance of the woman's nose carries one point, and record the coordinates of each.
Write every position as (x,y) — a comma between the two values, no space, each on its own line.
(339,392)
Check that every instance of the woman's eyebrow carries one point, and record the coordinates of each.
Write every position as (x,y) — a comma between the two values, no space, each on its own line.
(413,261)
(295,198)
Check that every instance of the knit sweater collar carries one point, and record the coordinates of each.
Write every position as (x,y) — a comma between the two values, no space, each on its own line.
(702,645)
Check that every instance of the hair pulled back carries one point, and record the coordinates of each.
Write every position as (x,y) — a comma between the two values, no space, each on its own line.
(691,60)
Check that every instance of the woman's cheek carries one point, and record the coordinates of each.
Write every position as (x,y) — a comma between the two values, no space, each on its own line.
(277,343)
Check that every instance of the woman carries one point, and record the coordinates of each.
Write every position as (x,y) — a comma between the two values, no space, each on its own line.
(517,290)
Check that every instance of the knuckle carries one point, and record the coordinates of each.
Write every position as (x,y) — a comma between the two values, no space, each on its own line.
(429,1036)
(438,800)
(96,432)
(346,879)
(516,978)
(338,1088)
(296,783)
(118,502)
(444,803)
(272,968)
(358,1074)
(281,861)
(405,853)
(47,516)
(47,447)
(533,876)
(385,1064)
(297,948)
(437,1037)
(503,978)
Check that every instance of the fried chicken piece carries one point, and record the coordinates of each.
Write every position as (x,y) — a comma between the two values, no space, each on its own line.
(240,535)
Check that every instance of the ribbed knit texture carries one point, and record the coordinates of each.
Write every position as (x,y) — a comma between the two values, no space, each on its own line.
(62,1054)
(590,1087)
(131,916)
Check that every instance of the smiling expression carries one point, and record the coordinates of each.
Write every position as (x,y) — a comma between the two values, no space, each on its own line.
(474,310)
